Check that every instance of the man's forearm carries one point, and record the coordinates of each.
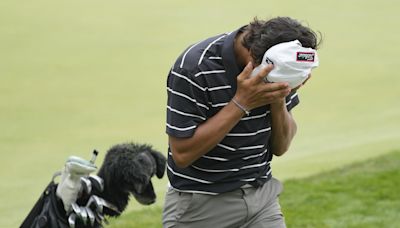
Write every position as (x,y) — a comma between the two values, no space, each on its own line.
(283,128)
(251,93)
(187,150)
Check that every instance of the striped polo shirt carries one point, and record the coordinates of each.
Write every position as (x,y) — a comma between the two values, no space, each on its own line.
(200,83)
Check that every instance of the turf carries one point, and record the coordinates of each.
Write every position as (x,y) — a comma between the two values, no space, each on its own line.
(361,195)
(81,75)
(358,195)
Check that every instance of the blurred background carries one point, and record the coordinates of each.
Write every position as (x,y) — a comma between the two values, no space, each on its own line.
(78,75)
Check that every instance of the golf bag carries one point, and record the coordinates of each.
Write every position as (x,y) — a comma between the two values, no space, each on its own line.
(48,211)
(83,200)
(71,203)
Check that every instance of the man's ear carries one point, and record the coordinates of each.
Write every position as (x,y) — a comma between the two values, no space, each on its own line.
(160,162)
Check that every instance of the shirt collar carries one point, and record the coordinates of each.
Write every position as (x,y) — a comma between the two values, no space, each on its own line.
(229,57)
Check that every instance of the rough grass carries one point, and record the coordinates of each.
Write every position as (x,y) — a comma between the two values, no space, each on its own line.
(146,218)
(360,195)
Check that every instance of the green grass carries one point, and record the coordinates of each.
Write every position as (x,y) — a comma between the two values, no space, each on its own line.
(77,75)
(359,195)
(145,218)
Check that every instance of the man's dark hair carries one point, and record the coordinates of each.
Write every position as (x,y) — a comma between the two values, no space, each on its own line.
(261,35)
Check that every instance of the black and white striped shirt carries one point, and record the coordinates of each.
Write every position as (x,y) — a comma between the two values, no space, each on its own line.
(201,82)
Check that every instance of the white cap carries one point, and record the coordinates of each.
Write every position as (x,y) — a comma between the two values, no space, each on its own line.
(292,63)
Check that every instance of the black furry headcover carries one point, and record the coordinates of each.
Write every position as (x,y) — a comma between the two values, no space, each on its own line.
(128,168)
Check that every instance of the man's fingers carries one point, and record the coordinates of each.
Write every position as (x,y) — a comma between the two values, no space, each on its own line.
(246,72)
(264,72)
(277,94)
(270,87)
(276,90)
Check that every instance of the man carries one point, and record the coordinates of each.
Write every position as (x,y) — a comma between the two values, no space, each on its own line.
(224,128)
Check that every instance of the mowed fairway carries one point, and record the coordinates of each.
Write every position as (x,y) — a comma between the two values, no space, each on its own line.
(84,74)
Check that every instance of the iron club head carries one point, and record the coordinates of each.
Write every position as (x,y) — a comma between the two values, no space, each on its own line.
(83,215)
(86,185)
(97,202)
(75,208)
(97,182)
(71,220)
(91,216)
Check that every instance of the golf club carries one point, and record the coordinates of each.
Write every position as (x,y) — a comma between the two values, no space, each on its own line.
(71,220)
(97,182)
(91,216)
(97,202)
(75,208)
(83,215)
(86,185)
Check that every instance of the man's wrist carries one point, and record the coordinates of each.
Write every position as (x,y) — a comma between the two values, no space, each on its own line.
(241,107)
(279,105)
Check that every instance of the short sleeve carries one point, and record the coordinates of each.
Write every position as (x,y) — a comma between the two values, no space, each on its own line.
(187,104)
(292,100)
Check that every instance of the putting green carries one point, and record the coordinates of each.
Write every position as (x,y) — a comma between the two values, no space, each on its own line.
(79,75)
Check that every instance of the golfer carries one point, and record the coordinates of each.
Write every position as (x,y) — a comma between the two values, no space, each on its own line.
(225,126)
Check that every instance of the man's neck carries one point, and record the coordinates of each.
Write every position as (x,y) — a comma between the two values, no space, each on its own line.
(242,55)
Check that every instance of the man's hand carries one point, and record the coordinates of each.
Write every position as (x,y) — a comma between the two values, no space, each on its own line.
(283,125)
(252,92)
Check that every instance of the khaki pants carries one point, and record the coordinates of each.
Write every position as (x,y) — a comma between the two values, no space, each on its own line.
(247,207)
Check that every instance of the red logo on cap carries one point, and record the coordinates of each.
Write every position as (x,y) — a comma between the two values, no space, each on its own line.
(305,56)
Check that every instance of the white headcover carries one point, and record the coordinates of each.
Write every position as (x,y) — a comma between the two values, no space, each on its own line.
(292,63)
(70,185)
